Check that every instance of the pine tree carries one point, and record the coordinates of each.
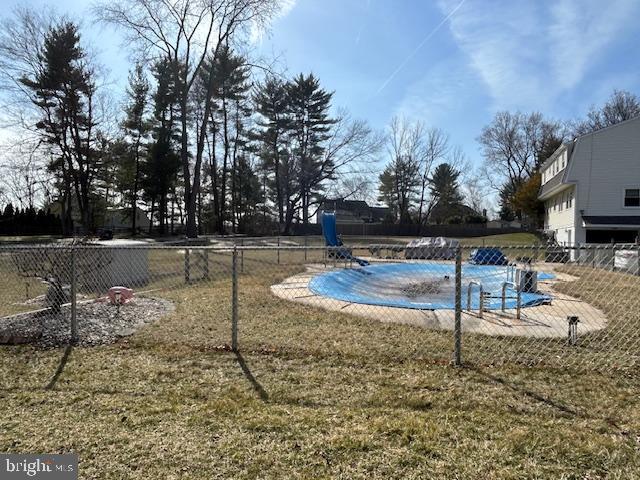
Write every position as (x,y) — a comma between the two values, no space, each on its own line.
(160,170)
(136,128)
(271,103)
(309,126)
(231,93)
(444,185)
(399,183)
(64,91)
(248,192)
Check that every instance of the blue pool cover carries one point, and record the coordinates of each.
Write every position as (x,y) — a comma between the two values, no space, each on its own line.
(423,286)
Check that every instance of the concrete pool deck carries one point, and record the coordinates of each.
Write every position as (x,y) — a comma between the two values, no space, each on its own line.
(543,321)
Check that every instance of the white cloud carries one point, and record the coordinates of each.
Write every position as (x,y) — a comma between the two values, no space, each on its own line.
(442,92)
(528,53)
(580,31)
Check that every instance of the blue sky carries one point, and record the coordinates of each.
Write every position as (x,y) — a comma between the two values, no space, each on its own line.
(461,62)
(449,63)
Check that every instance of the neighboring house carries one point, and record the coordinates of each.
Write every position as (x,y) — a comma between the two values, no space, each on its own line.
(443,212)
(352,211)
(591,187)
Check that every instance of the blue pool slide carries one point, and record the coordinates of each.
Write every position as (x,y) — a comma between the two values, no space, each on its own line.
(331,238)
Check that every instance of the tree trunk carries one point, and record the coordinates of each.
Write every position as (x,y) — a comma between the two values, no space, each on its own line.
(134,196)
(225,161)
(153,201)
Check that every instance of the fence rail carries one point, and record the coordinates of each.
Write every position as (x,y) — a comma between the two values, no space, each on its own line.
(571,306)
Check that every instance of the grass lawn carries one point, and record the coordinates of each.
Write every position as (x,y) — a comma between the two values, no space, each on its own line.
(507,239)
(312,395)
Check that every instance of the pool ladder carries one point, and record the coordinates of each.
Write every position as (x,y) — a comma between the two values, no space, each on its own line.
(518,297)
(503,297)
(481,299)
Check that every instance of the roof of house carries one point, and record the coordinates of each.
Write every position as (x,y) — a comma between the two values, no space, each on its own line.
(609,127)
(341,204)
(442,210)
(353,206)
(554,155)
(557,180)
(551,185)
(382,211)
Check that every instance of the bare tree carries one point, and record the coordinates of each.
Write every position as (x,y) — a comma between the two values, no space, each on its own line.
(422,147)
(355,186)
(351,146)
(433,146)
(186,32)
(620,106)
(515,144)
(475,192)
(400,180)
(21,41)
(23,173)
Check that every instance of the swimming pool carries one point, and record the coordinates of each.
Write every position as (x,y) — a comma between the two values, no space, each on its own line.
(423,286)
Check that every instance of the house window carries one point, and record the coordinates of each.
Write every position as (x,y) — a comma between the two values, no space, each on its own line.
(561,202)
(632,197)
(570,200)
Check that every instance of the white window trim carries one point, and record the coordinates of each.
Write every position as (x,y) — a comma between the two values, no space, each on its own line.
(624,195)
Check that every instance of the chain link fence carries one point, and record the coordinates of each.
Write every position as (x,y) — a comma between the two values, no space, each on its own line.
(560,306)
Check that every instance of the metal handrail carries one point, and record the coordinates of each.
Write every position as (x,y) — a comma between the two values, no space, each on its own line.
(518,297)
(481,299)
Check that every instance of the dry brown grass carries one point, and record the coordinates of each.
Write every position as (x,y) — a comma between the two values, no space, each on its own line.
(312,395)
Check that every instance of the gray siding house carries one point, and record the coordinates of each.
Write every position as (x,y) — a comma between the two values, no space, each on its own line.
(591,187)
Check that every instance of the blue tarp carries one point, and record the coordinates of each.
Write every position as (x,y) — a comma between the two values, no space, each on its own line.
(488,256)
(388,284)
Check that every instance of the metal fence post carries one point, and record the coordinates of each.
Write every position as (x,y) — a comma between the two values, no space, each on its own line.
(187,265)
(234,300)
(457,354)
(278,249)
(74,317)
(242,256)
(613,257)
(305,248)
(205,257)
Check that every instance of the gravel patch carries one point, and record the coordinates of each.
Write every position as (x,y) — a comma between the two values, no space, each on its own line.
(99,322)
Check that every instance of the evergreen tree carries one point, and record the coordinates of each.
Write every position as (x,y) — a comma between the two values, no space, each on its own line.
(444,185)
(225,80)
(160,170)
(398,188)
(309,125)
(136,128)
(248,192)
(271,103)
(64,91)
(505,201)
